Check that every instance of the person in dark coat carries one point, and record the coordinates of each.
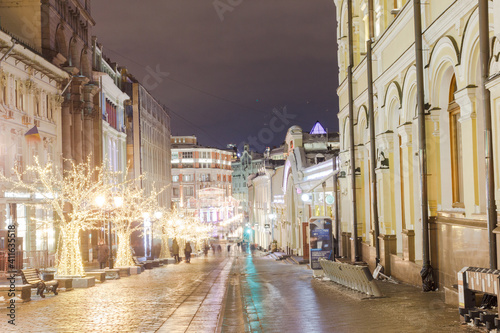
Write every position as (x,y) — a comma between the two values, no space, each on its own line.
(102,254)
(187,252)
(175,250)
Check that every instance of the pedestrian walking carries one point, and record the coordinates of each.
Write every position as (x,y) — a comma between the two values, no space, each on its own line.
(213,249)
(102,254)
(228,248)
(219,248)
(175,250)
(205,249)
(187,252)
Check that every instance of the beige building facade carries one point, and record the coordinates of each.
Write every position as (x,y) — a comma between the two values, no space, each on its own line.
(30,100)
(454,138)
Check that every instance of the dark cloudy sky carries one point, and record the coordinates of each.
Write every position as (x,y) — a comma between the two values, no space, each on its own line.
(225,77)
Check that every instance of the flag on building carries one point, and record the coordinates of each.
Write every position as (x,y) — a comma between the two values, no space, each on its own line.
(32,135)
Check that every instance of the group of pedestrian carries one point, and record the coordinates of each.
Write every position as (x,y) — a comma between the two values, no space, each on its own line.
(187,252)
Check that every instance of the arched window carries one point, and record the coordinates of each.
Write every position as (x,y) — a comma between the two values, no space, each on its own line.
(456,147)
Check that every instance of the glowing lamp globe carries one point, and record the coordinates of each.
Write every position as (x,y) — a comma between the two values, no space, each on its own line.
(305,197)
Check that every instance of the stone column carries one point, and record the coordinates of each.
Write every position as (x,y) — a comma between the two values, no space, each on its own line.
(385,179)
(409,245)
(88,142)
(384,202)
(405,132)
(433,160)
(494,87)
(67,140)
(466,99)
(77,137)
(387,247)
(360,203)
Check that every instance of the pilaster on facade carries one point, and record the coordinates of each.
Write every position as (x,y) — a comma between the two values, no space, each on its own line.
(494,86)
(466,99)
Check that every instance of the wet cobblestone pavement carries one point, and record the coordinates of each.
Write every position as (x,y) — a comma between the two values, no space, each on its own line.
(279,297)
(172,298)
(262,295)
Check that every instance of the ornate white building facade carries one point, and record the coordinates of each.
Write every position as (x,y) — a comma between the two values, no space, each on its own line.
(30,97)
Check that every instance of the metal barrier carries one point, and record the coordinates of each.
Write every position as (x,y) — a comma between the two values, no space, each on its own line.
(470,281)
(39,259)
(352,276)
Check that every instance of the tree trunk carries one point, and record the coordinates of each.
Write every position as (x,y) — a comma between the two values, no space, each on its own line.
(69,257)
(165,250)
(124,257)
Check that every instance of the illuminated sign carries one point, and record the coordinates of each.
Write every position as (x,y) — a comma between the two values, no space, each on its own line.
(320,240)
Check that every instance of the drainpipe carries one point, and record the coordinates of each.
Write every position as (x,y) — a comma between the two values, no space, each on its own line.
(484,40)
(14,42)
(351,134)
(426,272)
(371,111)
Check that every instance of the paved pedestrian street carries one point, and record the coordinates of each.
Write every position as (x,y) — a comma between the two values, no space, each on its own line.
(173,298)
(238,293)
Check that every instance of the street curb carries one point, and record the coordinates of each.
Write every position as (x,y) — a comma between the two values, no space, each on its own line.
(220,320)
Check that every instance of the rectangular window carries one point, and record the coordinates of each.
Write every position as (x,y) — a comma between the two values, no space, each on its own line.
(456,155)
(188,191)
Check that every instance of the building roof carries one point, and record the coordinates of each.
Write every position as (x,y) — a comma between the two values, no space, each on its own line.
(318,129)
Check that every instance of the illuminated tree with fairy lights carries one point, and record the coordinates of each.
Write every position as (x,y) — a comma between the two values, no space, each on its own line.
(182,226)
(69,194)
(126,216)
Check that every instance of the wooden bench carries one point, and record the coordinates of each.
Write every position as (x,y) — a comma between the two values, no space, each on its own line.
(32,277)
(138,263)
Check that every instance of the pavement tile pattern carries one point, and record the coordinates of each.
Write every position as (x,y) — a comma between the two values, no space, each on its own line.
(235,293)
(171,298)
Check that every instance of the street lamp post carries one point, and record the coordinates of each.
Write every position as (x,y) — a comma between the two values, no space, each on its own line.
(117,202)
(157,216)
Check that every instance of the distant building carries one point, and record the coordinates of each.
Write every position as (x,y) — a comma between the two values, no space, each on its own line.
(248,163)
(277,211)
(201,179)
(148,138)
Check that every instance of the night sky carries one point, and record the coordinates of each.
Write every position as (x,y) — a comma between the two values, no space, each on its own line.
(222,78)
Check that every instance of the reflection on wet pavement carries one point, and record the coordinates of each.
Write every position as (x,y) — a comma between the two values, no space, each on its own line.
(279,297)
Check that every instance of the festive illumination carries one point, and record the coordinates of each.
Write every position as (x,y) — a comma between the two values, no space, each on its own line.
(130,203)
(182,226)
(69,194)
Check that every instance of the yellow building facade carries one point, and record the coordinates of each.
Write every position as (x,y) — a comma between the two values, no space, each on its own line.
(454,137)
